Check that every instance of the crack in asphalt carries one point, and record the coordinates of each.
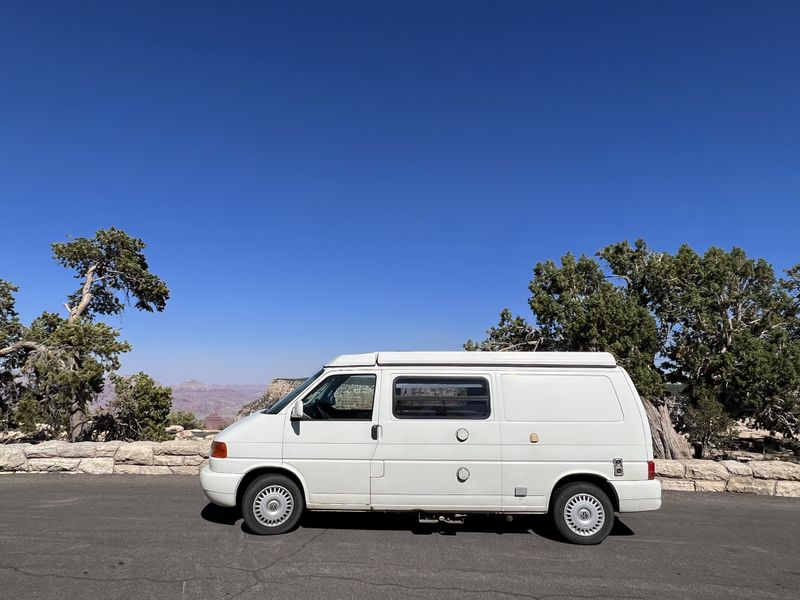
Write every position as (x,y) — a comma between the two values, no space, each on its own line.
(434,589)
(258,573)
(255,573)
(181,580)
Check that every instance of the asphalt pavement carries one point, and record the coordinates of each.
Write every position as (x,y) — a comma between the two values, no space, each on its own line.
(105,537)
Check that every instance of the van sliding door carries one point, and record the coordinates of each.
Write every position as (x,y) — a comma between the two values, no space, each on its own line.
(439,443)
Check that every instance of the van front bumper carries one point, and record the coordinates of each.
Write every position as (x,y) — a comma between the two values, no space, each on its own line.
(220,488)
(638,496)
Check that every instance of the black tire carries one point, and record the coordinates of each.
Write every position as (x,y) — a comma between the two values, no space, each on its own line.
(272,498)
(585,500)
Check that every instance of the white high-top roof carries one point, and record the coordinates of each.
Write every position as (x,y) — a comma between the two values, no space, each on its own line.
(464,358)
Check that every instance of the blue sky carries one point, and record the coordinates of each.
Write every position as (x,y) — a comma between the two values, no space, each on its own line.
(321,178)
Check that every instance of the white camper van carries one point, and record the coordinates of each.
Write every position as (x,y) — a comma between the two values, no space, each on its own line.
(445,434)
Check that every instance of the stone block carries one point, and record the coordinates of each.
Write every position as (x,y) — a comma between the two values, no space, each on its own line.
(135,453)
(160,470)
(177,448)
(96,466)
(707,470)
(194,461)
(107,449)
(775,469)
(204,448)
(45,449)
(78,450)
(12,458)
(788,488)
(741,484)
(677,485)
(53,465)
(127,469)
(670,468)
(710,486)
(168,460)
(185,470)
(737,468)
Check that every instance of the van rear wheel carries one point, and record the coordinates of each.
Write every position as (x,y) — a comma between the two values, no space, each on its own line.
(272,504)
(583,513)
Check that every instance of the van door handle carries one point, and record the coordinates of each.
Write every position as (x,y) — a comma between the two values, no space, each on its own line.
(375,432)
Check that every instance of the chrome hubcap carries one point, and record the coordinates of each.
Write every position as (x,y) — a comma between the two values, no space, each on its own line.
(584,514)
(273,505)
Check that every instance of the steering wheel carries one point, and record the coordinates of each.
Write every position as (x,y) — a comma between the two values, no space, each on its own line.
(322,409)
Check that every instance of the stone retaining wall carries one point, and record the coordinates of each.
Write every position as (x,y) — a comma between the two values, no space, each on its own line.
(179,457)
(767,477)
(186,457)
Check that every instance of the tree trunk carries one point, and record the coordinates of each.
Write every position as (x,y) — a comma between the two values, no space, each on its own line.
(77,407)
(667,443)
(77,421)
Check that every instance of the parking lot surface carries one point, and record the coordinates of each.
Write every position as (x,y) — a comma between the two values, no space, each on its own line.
(103,537)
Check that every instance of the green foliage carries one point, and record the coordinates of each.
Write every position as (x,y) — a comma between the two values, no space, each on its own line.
(9,397)
(11,331)
(73,365)
(47,392)
(722,324)
(707,422)
(29,414)
(61,363)
(511,334)
(184,418)
(140,409)
(10,327)
(118,265)
(578,308)
(728,327)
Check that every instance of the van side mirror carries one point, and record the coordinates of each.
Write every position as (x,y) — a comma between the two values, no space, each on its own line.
(297,410)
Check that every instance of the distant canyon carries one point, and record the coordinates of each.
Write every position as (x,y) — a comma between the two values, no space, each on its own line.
(204,399)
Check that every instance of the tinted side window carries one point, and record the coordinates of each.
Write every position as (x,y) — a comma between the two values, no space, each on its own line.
(347,397)
(440,398)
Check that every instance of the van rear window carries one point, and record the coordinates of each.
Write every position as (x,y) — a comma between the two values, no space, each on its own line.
(441,398)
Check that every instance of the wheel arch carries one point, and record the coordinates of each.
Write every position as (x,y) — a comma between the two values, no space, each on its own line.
(256,472)
(586,477)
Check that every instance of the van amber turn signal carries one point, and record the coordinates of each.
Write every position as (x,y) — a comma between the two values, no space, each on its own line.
(219,450)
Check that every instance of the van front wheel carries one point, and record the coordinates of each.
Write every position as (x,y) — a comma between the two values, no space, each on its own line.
(272,504)
(583,513)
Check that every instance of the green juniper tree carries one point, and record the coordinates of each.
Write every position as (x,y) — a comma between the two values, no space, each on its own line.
(185,418)
(57,365)
(140,409)
(729,328)
(11,332)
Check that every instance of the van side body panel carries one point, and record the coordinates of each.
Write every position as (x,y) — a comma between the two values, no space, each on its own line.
(582,421)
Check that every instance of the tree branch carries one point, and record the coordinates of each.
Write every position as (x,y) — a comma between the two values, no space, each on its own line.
(86,296)
(23,345)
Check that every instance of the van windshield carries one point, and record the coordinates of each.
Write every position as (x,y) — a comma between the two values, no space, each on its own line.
(287,399)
